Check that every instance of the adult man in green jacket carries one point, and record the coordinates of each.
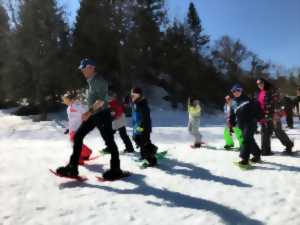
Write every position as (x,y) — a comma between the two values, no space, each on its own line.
(98,116)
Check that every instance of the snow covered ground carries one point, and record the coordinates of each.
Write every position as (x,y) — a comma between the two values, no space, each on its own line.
(190,186)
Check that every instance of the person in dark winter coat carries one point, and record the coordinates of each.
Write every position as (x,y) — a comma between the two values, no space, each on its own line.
(269,102)
(245,113)
(288,106)
(296,102)
(99,116)
(142,126)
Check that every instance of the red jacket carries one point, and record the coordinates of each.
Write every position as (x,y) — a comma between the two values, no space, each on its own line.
(116,107)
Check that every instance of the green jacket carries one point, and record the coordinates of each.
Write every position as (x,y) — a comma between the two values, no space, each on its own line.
(98,90)
(194,118)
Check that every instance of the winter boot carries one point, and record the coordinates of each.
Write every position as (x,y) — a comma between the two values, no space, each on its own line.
(228,147)
(68,171)
(114,172)
(288,150)
(196,145)
(243,162)
(256,159)
(153,149)
(152,161)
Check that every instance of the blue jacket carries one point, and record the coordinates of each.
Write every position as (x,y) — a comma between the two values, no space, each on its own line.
(141,120)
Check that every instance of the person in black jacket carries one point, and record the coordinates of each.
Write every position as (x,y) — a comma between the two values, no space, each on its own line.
(245,113)
(142,126)
(269,102)
(288,105)
(296,102)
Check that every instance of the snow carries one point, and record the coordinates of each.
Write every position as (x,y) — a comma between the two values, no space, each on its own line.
(189,187)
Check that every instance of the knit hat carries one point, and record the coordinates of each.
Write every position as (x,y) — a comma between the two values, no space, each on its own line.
(137,90)
(237,87)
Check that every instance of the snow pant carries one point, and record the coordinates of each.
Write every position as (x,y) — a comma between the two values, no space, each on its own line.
(289,118)
(125,138)
(103,121)
(298,109)
(281,135)
(194,131)
(266,133)
(228,136)
(249,145)
(148,149)
(85,151)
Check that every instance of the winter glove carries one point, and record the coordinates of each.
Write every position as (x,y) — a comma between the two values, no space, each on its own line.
(66,131)
(139,129)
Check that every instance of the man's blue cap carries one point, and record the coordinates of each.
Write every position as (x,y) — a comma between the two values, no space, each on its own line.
(236,87)
(85,62)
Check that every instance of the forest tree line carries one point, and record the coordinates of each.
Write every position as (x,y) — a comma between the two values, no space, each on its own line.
(132,42)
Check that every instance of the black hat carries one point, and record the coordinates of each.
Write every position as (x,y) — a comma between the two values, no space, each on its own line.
(137,90)
(85,62)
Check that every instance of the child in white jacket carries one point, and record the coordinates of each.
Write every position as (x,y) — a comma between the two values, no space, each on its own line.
(194,111)
(75,111)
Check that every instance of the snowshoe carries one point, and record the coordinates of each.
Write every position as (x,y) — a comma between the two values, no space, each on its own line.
(243,165)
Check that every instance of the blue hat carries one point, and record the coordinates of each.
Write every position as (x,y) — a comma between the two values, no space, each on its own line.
(236,87)
(85,62)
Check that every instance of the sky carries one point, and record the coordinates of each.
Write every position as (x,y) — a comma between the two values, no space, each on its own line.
(269,28)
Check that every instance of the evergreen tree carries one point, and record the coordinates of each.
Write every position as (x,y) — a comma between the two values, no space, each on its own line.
(176,62)
(4,37)
(94,34)
(195,29)
(40,44)
(101,32)
(146,38)
(228,56)
(124,38)
(122,24)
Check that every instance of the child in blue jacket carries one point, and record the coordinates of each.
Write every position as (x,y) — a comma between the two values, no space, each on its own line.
(142,126)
